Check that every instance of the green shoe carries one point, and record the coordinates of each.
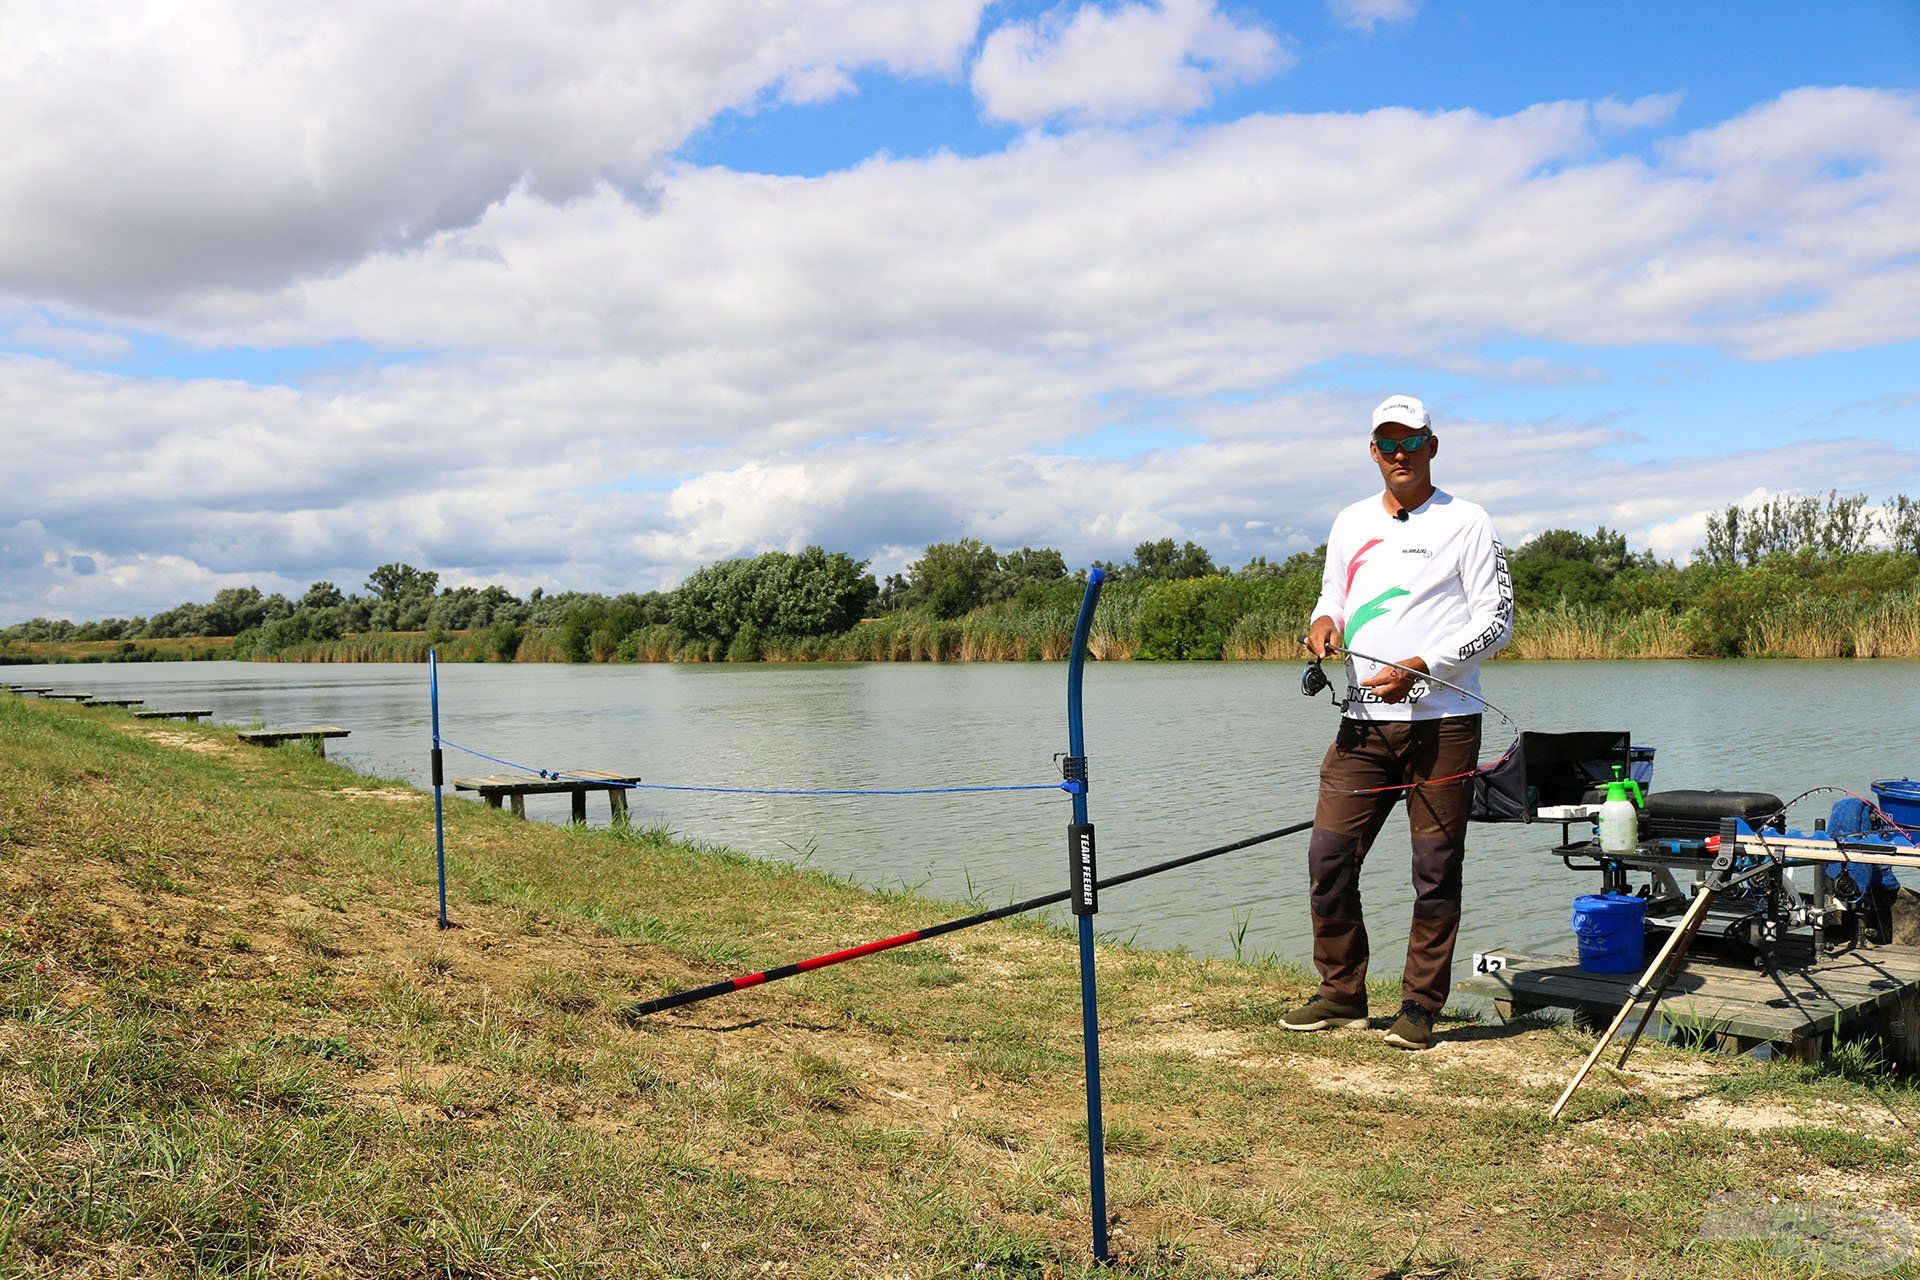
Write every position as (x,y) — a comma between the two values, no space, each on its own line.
(1322,1014)
(1413,1029)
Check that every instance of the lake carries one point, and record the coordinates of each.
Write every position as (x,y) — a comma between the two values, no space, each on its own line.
(1183,756)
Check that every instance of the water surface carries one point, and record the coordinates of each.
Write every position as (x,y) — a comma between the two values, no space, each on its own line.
(1183,756)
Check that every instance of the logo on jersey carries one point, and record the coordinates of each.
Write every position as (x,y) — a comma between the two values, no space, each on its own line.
(1374,608)
(1359,558)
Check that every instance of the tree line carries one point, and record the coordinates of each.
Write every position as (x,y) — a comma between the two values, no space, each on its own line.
(1754,557)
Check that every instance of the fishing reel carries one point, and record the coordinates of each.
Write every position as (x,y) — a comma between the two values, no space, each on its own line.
(1314,680)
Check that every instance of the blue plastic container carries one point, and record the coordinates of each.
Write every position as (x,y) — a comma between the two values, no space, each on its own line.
(1900,799)
(1612,930)
(1640,767)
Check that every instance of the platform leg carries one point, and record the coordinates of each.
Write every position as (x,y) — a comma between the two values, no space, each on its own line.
(617,804)
(578,800)
(519,802)
(493,799)
(1900,1025)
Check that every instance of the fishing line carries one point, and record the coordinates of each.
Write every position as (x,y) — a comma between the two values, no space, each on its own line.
(1313,680)
(1878,812)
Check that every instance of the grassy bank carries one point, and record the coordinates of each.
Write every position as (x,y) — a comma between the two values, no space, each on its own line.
(232,1042)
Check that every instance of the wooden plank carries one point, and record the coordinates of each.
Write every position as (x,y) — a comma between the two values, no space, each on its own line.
(1841,985)
(115,702)
(270,736)
(534,785)
(66,696)
(1784,1006)
(151,714)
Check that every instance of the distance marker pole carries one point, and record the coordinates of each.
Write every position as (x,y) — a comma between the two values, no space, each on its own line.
(439,777)
(1085,902)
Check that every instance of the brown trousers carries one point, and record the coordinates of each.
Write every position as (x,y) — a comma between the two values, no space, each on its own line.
(1377,754)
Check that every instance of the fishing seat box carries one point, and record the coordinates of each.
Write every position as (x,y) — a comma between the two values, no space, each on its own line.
(1546,769)
(1695,815)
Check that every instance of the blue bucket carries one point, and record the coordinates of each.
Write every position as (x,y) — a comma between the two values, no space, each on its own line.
(1611,929)
(1899,799)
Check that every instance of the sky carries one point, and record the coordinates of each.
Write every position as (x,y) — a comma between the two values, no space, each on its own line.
(585,295)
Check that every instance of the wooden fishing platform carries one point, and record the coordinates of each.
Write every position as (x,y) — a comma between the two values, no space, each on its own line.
(64,695)
(314,736)
(114,702)
(151,714)
(30,688)
(1797,1008)
(514,788)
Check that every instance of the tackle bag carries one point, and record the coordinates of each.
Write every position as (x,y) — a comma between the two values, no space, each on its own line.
(1549,769)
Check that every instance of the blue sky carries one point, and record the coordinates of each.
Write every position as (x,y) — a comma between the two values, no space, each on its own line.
(1492,57)
(588,299)
(1497,58)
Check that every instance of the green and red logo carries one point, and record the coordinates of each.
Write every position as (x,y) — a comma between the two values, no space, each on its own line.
(1373,608)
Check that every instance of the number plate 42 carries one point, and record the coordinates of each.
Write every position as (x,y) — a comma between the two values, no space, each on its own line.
(1488,962)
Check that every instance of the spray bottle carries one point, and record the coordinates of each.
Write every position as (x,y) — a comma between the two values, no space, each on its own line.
(1619,818)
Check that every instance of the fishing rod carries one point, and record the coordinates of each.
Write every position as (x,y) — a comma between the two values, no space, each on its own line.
(680,998)
(1313,680)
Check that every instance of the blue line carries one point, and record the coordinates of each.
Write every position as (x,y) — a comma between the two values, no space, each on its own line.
(561,776)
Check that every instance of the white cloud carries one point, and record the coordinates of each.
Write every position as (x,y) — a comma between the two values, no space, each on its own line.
(1641,113)
(1215,258)
(37,333)
(902,351)
(156,150)
(1096,64)
(816,84)
(1365,15)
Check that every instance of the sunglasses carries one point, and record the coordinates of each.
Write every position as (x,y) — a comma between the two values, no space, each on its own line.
(1408,444)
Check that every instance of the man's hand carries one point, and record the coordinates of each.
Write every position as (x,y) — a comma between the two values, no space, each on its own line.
(1321,635)
(1391,683)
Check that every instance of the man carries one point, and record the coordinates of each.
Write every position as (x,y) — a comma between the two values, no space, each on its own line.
(1417,577)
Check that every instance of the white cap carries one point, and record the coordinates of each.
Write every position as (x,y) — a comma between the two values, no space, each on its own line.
(1407,411)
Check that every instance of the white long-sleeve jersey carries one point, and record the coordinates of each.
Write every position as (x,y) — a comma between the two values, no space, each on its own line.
(1433,586)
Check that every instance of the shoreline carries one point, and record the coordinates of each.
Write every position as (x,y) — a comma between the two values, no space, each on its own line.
(230,952)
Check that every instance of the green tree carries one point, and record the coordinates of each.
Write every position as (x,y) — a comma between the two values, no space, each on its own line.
(322,595)
(813,593)
(953,578)
(1836,525)
(1163,561)
(1029,566)
(394,583)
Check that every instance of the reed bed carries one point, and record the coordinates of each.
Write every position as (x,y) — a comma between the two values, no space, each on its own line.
(1828,628)
(1130,625)
(1265,637)
(171,649)
(1574,632)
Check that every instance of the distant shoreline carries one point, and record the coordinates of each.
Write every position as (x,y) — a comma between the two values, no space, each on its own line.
(540,648)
